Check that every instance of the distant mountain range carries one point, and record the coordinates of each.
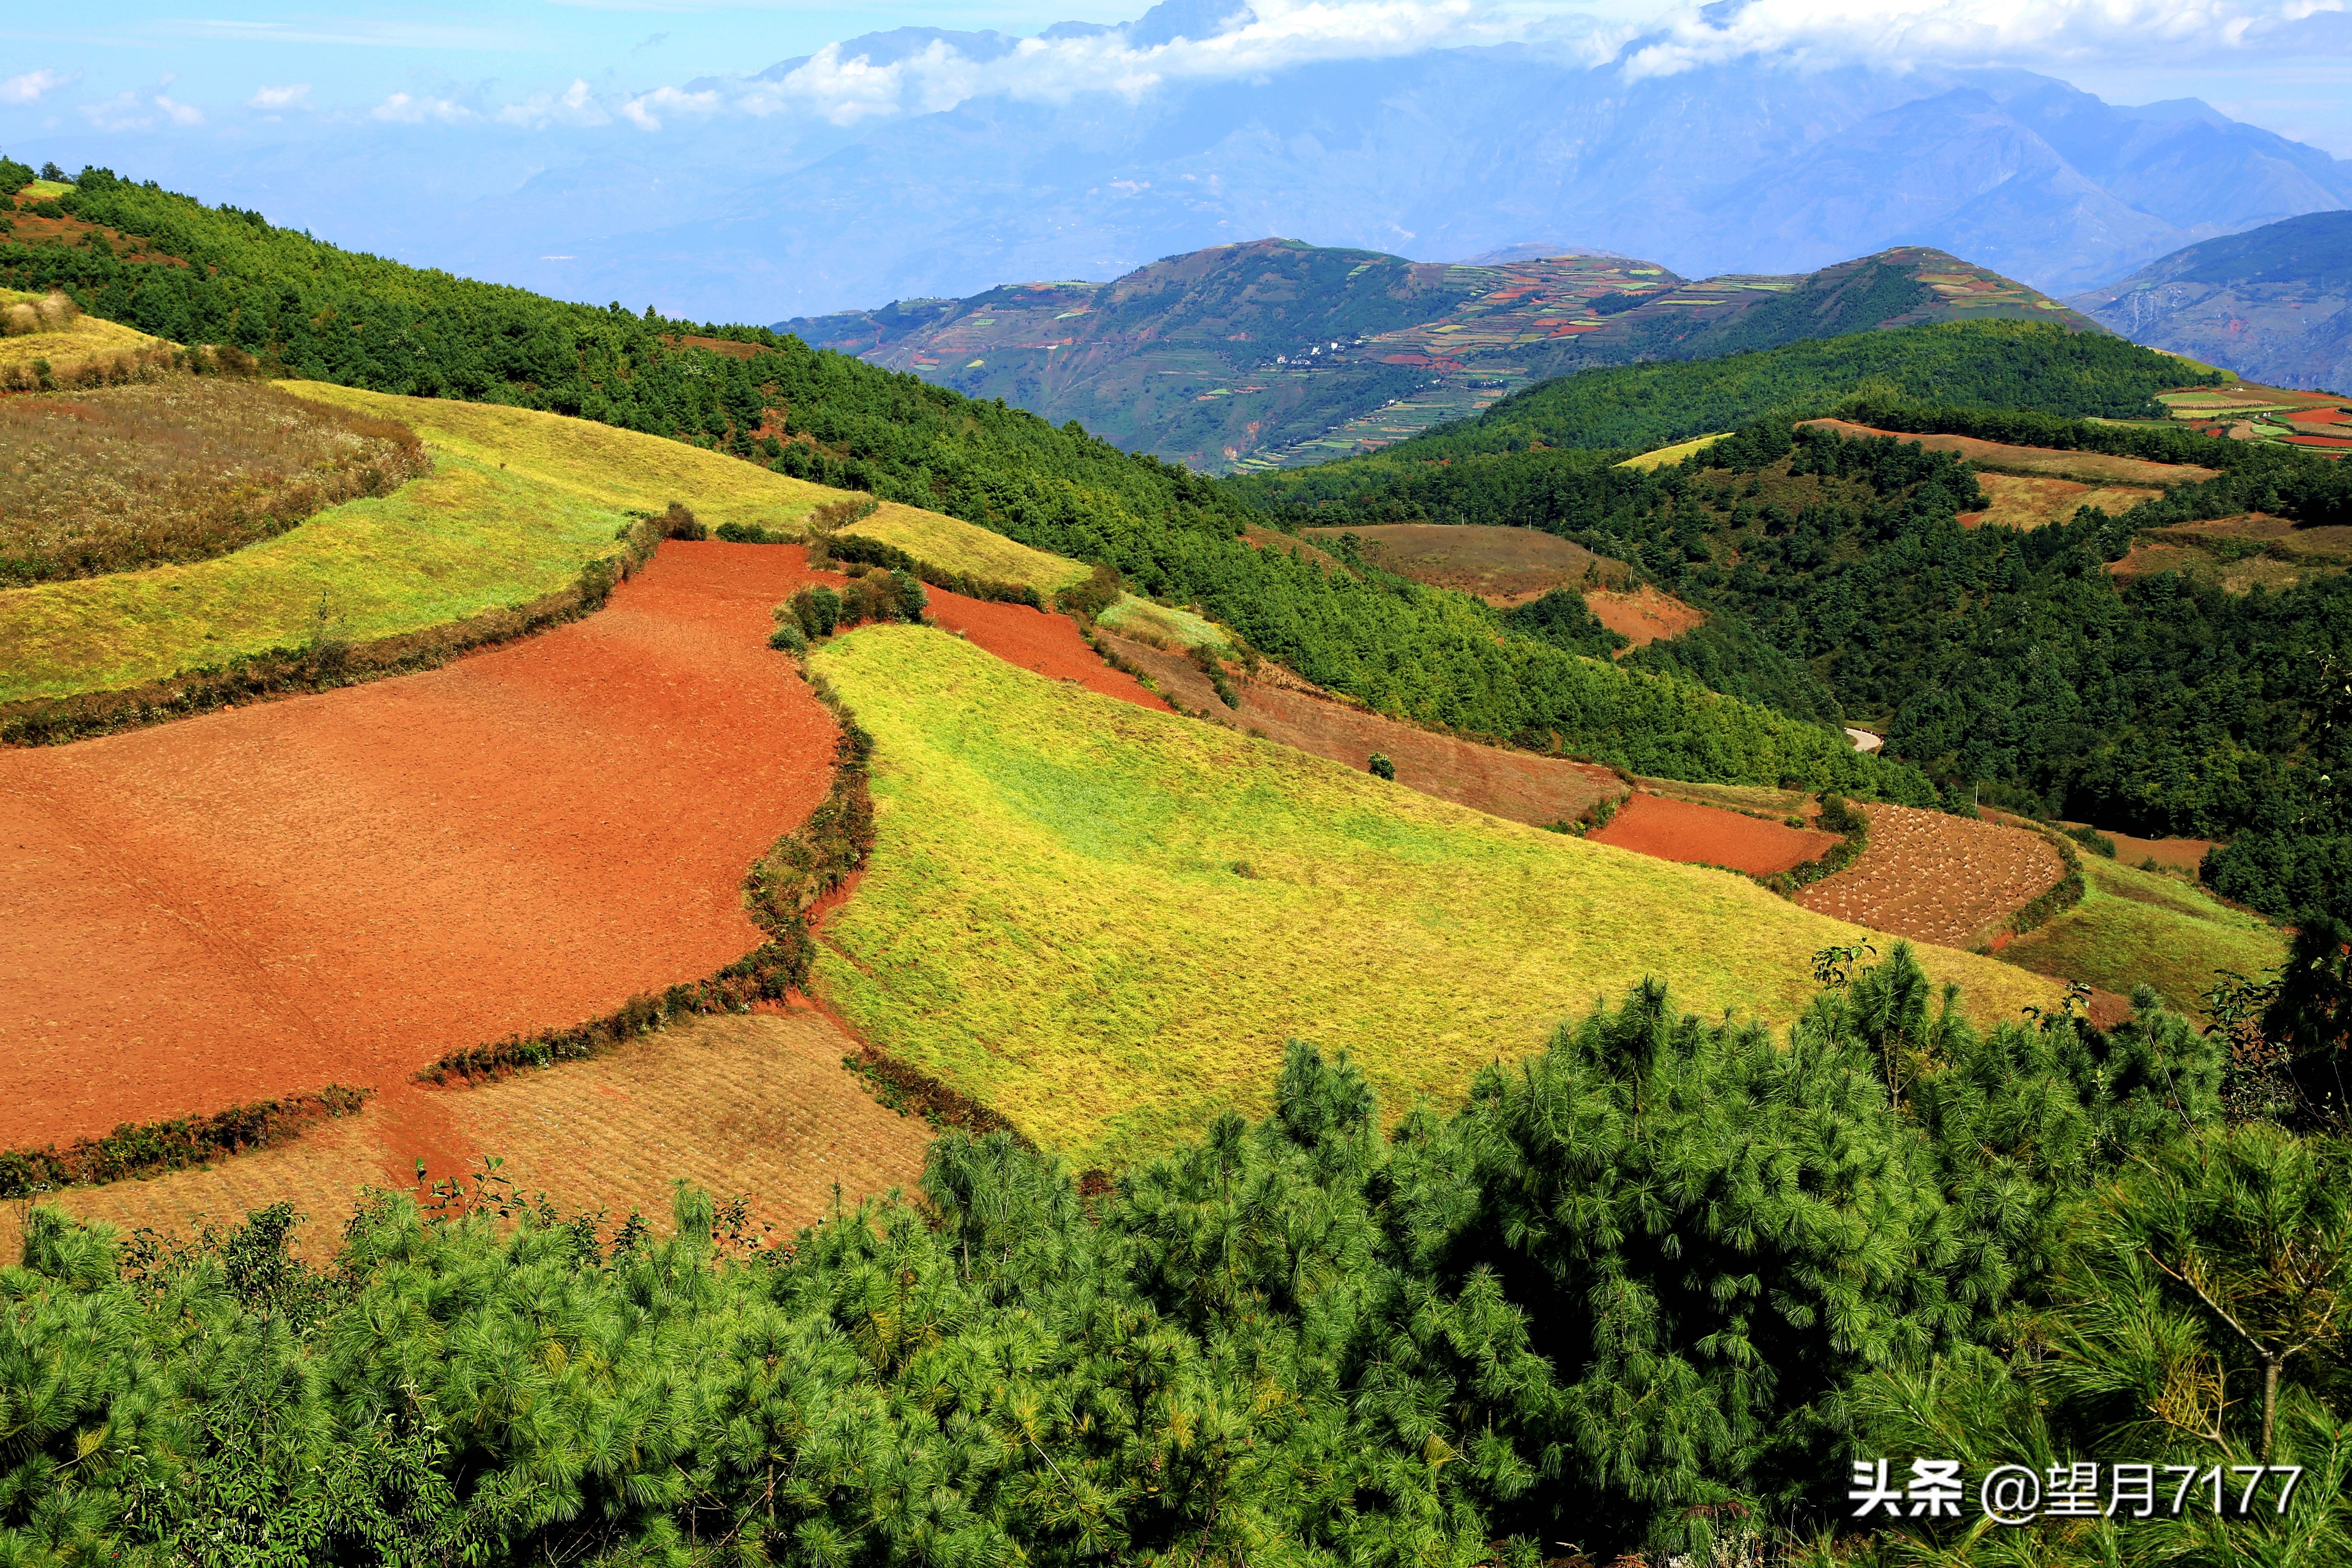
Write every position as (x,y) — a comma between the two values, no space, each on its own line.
(1751,166)
(2273,304)
(1276,352)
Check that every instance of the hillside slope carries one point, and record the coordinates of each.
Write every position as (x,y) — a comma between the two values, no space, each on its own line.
(1104,921)
(2274,304)
(1274,353)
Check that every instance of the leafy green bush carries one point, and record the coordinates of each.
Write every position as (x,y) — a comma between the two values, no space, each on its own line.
(1380,767)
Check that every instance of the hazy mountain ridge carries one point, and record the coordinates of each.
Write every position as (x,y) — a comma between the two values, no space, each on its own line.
(1275,352)
(1738,168)
(2273,304)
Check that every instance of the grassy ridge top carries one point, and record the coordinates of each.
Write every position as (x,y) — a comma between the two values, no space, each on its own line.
(518,504)
(622,470)
(1105,921)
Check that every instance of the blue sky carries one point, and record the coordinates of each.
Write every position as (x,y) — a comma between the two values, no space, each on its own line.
(234,68)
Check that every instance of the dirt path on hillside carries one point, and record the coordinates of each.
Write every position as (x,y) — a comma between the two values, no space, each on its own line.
(339,888)
(1935,877)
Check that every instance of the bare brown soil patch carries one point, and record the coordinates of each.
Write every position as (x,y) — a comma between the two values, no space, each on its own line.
(1685,830)
(1034,639)
(2027,501)
(1282,707)
(341,887)
(2292,556)
(758,1106)
(2098,466)
(1645,616)
(1502,565)
(2181,854)
(32,229)
(727,346)
(1938,879)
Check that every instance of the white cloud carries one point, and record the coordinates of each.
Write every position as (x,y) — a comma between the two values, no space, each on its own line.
(30,86)
(2035,33)
(645,109)
(401,108)
(279,96)
(1277,33)
(130,110)
(576,106)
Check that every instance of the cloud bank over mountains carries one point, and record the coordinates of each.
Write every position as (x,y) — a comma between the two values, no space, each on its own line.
(1768,135)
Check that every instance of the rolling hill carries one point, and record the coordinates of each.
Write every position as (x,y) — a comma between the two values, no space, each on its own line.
(2273,304)
(1276,353)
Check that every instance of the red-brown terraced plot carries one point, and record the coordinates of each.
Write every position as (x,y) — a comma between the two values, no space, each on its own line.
(341,887)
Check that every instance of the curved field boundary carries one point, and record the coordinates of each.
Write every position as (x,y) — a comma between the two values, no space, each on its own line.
(2095,468)
(1684,830)
(523,511)
(1941,878)
(343,887)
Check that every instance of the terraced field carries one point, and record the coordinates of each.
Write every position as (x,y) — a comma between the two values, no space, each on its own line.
(1934,877)
(1104,921)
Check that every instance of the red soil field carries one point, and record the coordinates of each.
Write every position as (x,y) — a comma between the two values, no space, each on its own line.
(1938,878)
(341,886)
(1285,708)
(1048,644)
(1684,830)
(1643,617)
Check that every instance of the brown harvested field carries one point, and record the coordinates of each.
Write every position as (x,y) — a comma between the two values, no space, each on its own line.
(1502,565)
(2180,854)
(2023,501)
(754,1105)
(2096,466)
(180,468)
(1938,879)
(341,886)
(1684,830)
(1283,708)
(1645,616)
(2294,555)
(1034,639)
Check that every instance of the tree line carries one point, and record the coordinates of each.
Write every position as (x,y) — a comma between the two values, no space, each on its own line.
(1418,653)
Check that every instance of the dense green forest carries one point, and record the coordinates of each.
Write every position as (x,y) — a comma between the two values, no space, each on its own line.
(1659,1288)
(1421,653)
(1993,658)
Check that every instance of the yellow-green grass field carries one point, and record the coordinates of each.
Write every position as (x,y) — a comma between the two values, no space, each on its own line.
(2136,927)
(1666,455)
(1162,624)
(598,464)
(83,338)
(956,546)
(518,502)
(1105,921)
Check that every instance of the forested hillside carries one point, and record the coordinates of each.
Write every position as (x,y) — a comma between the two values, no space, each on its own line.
(1648,1290)
(1497,468)
(231,277)
(1994,657)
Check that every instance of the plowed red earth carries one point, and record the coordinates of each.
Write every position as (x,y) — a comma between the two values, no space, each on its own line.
(1050,644)
(1707,835)
(1936,877)
(341,887)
